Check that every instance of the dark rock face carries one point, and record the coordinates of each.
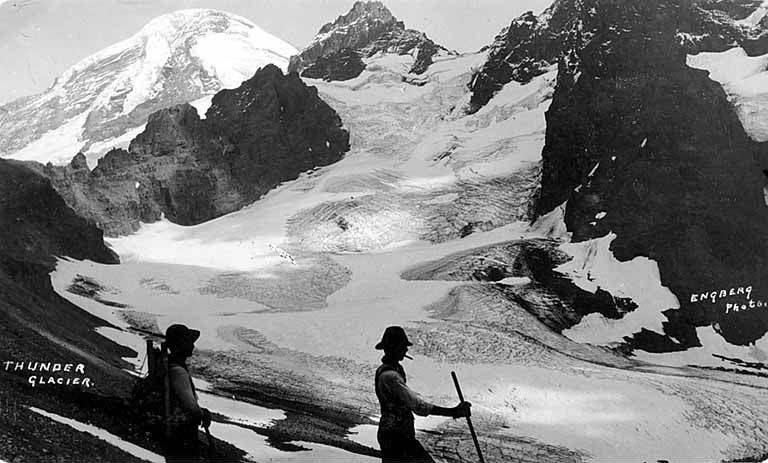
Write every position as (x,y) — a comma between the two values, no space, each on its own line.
(708,29)
(530,44)
(36,224)
(265,132)
(635,133)
(368,28)
(708,25)
(344,64)
(756,41)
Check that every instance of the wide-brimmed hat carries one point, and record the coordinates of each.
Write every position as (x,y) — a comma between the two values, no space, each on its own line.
(393,336)
(177,334)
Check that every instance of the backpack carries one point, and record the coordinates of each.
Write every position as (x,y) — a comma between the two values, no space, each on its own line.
(150,397)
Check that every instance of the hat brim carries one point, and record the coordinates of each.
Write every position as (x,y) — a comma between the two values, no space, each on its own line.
(381,345)
(193,335)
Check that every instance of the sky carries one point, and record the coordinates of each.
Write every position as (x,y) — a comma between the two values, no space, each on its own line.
(41,38)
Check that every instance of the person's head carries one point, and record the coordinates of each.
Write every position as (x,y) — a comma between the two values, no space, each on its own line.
(394,343)
(181,340)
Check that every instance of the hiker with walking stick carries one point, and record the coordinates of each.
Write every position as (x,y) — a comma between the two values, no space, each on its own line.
(396,435)
(184,415)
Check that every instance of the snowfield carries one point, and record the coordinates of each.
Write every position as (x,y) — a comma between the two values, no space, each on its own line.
(419,172)
(745,80)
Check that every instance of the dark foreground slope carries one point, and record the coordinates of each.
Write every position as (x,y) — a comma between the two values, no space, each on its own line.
(35,227)
(38,325)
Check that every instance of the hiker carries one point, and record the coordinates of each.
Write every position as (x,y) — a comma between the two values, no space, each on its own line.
(184,414)
(396,435)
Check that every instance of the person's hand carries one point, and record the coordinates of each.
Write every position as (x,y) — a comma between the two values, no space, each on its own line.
(462,410)
(206,422)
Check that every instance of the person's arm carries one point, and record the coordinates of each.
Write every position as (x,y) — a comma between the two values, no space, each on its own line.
(182,388)
(394,383)
(458,411)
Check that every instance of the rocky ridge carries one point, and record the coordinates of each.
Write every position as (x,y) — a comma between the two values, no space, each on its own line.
(188,169)
(339,48)
(531,44)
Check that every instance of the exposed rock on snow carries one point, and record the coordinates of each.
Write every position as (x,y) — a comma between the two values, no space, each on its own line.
(592,268)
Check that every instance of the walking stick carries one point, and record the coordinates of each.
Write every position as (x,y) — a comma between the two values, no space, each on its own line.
(469,421)
(166,393)
(211,445)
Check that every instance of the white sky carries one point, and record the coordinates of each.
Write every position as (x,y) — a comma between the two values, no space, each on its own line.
(41,38)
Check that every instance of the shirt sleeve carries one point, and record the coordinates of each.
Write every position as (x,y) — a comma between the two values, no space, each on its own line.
(182,388)
(393,385)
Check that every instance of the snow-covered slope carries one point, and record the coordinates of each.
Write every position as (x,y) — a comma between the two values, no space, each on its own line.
(416,170)
(745,79)
(179,57)
(309,276)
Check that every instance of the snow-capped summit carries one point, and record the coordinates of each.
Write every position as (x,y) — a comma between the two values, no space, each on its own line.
(339,49)
(104,100)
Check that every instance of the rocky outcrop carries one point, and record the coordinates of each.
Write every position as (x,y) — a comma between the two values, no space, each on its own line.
(368,28)
(525,275)
(531,44)
(267,131)
(716,25)
(643,146)
(344,64)
(36,225)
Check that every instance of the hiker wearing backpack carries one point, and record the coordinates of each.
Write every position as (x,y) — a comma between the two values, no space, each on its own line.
(184,415)
(396,435)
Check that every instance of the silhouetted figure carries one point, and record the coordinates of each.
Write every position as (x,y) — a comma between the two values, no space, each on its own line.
(184,413)
(396,435)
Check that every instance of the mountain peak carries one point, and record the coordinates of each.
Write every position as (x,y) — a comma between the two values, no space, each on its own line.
(179,57)
(374,10)
(179,28)
(338,49)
